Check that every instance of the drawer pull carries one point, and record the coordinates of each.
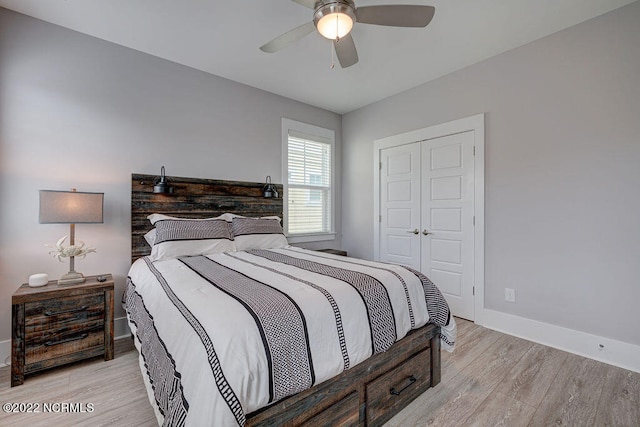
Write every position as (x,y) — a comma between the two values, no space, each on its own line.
(73,310)
(395,392)
(76,338)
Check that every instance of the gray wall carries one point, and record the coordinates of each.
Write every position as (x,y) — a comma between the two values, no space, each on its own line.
(79,112)
(562,171)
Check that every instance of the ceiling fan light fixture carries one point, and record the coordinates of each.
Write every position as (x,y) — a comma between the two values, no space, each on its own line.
(335,25)
(335,20)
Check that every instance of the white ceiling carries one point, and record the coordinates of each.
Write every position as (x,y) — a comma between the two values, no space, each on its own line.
(223,37)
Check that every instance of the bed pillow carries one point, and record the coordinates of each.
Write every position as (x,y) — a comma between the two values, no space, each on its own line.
(257,233)
(155,217)
(181,237)
(150,236)
(227,216)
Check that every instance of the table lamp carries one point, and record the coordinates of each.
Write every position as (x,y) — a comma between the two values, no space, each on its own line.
(71,207)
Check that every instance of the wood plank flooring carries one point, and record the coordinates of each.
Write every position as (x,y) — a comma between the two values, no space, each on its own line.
(491,379)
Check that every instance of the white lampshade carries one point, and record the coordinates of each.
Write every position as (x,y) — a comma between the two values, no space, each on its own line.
(335,25)
(70,207)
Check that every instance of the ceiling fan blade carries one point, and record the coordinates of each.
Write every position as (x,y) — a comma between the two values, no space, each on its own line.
(288,38)
(346,51)
(396,15)
(306,3)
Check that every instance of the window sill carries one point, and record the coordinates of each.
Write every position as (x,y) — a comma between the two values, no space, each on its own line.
(303,238)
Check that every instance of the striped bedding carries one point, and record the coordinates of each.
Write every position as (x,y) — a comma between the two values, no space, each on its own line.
(223,335)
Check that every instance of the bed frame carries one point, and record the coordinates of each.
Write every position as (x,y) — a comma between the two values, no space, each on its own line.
(369,393)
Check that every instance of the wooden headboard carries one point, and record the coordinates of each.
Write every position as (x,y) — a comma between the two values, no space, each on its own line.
(194,198)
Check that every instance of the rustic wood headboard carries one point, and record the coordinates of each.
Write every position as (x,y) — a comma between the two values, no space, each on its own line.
(194,198)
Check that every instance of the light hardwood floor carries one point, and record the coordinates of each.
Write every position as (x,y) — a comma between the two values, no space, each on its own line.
(491,379)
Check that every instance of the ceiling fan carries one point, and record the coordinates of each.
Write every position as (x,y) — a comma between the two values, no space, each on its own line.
(334,20)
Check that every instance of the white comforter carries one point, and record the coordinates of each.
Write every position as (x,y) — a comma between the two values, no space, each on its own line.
(224,335)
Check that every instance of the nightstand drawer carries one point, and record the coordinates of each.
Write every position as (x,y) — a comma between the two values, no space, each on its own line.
(54,344)
(64,314)
(63,326)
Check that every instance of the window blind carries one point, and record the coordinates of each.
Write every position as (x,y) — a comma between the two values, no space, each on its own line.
(309,184)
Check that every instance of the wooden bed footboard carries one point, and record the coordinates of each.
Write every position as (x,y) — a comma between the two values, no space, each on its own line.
(368,394)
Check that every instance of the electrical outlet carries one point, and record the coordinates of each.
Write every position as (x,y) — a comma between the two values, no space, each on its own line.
(509,295)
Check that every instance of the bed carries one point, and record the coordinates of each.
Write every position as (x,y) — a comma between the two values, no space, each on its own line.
(235,327)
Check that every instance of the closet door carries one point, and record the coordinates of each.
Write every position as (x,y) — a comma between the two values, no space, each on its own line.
(447,210)
(400,205)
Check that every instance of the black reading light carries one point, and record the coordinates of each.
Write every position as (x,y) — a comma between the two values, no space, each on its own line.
(269,190)
(162,186)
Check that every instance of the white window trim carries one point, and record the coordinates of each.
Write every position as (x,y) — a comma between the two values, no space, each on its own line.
(288,124)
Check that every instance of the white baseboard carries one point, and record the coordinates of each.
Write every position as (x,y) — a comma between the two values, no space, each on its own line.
(5,353)
(120,330)
(617,353)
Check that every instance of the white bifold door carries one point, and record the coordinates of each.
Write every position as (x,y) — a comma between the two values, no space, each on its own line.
(427,213)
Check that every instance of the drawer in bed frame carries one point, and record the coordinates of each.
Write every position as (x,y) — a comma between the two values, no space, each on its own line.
(368,394)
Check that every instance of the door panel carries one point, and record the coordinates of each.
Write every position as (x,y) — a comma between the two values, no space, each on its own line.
(399,246)
(446,188)
(400,191)
(400,205)
(446,219)
(447,253)
(448,282)
(446,157)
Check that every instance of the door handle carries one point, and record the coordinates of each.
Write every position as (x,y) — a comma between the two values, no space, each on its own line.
(416,231)
(425,232)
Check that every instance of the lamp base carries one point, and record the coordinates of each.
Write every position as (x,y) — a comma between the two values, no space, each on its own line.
(71,278)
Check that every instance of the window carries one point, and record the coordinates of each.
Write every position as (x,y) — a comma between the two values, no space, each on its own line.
(308,191)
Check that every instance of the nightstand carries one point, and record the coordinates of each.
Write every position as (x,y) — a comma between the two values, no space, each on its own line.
(58,324)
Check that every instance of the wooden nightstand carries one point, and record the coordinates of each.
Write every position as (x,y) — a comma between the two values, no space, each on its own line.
(57,324)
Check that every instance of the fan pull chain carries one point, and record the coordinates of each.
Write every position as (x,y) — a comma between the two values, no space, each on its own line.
(337,40)
(332,62)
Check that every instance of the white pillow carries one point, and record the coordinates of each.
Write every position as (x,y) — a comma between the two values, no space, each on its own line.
(150,236)
(258,233)
(228,216)
(183,237)
(155,217)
